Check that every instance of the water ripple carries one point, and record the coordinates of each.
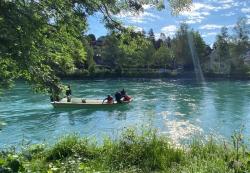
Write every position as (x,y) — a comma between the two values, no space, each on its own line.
(178,108)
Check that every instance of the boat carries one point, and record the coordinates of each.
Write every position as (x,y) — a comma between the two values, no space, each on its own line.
(86,103)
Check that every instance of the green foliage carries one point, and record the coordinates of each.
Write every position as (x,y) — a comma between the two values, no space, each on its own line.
(126,49)
(149,51)
(111,54)
(181,46)
(69,146)
(200,47)
(222,50)
(133,47)
(179,5)
(41,39)
(164,57)
(8,72)
(148,152)
(242,30)
(239,46)
(232,50)
(91,69)
(151,36)
(90,63)
(133,151)
(45,39)
(222,44)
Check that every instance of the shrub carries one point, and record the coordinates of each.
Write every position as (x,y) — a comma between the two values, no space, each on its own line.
(147,152)
(71,145)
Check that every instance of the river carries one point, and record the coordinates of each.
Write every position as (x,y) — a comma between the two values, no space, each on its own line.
(177,108)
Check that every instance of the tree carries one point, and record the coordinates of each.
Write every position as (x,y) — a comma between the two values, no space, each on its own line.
(241,37)
(111,52)
(91,39)
(168,42)
(242,30)
(39,39)
(240,44)
(158,43)
(163,37)
(133,52)
(143,32)
(163,57)
(181,47)
(222,48)
(148,54)
(90,63)
(39,43)
(200,47)
(151,36)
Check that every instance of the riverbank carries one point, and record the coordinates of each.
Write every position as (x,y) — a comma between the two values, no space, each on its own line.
(151,74)
(132,152)
(114,74)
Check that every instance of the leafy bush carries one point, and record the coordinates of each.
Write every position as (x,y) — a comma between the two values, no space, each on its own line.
(71,145)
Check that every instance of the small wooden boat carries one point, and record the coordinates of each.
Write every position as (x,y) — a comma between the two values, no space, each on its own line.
(85,103)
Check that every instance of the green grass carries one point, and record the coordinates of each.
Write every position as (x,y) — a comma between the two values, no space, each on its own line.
(143,151)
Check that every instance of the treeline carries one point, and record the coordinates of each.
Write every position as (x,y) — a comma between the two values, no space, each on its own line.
(41,39)
(113,50)
(229,54)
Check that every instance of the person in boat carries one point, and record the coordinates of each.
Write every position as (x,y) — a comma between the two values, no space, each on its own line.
(118,97)
(125,97)
(68,94)
(109,99)
(123,92)
(54,98)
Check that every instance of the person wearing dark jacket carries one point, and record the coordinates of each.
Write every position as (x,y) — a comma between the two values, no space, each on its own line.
(123,92)
(125,97)
(118,97)
(68,94)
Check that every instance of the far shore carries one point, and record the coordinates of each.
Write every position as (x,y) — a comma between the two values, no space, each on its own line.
(189,75)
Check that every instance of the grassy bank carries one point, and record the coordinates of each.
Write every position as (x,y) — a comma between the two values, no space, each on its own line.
(132,152)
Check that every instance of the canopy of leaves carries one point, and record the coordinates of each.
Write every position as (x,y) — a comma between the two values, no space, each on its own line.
(163,56)
(39,39)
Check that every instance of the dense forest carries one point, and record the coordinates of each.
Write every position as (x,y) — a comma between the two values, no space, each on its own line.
(229,54)
(41,40)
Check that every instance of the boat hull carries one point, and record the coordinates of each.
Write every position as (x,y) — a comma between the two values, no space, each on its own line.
(88,103)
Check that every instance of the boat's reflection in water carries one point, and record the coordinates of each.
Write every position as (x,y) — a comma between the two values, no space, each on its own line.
(119,112)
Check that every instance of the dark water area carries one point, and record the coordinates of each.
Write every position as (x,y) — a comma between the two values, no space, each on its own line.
(177,108)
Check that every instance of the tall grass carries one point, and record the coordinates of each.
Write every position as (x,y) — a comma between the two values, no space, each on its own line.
(143,151)
(147,152)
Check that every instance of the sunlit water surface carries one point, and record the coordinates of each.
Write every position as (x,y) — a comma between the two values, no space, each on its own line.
(177,108)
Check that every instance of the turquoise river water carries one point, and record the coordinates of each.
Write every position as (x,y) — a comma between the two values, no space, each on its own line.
(177,108)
